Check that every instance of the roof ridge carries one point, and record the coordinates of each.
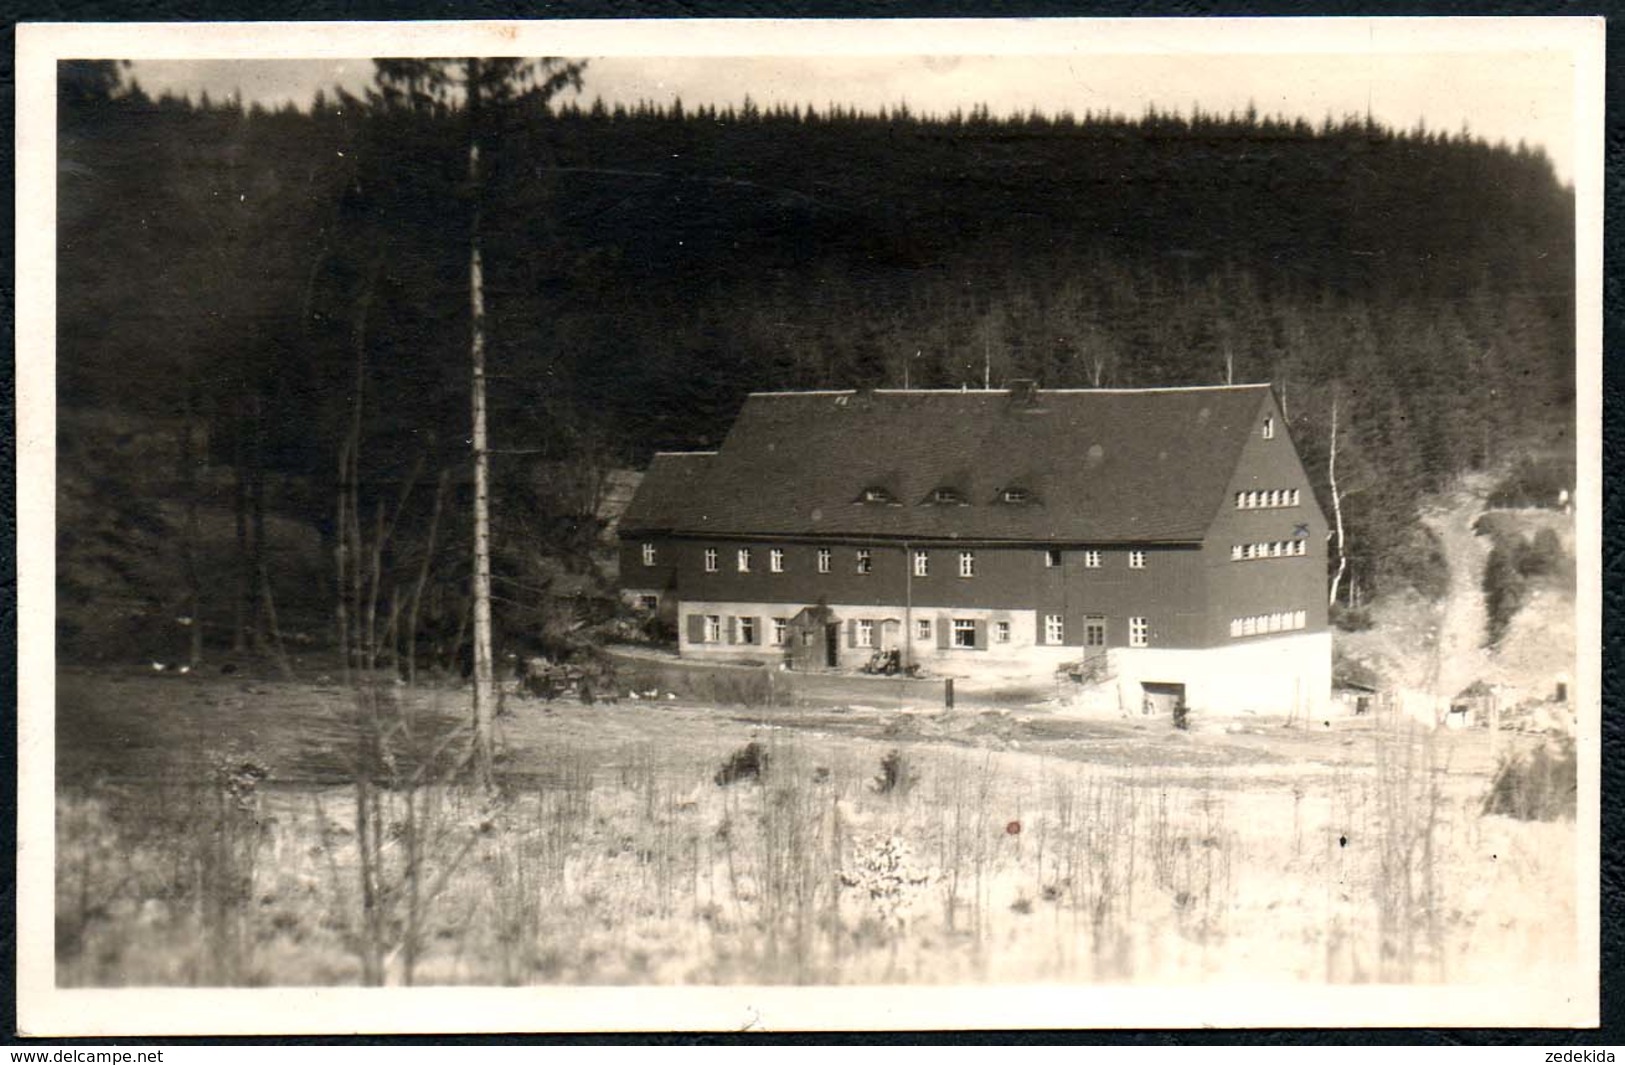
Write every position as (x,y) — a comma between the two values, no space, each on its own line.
(1004,391)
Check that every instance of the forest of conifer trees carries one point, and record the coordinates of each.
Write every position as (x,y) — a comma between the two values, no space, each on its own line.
(648,267)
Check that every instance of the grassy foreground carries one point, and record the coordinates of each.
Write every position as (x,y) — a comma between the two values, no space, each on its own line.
(258,834)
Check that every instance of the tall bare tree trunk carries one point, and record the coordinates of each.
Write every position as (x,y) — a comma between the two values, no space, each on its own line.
(484,688)
(341,549)
(189,538)
(423,579)
(245,570)
(256,515)
(1337,509)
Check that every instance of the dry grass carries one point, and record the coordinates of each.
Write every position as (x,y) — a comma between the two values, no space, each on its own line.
(609,858)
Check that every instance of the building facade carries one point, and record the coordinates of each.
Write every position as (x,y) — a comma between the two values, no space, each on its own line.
(1156,545)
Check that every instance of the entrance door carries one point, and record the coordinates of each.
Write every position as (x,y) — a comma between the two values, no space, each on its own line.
(1094,637)
(1160,697)
(832,644)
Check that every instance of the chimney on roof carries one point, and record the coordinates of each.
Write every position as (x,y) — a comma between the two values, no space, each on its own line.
(1023,392)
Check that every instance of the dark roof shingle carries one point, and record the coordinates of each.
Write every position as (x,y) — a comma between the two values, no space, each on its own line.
(662,502)
(1095,465)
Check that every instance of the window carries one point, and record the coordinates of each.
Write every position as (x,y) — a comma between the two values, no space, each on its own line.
(866,561)
(1001,632)
(823,560)
(747,630)
(1091,560)
(967,563)
(1264,624)
(922,629)
(863,633)
(710,560)
(713,628)
(964,632)
(1270,549)
(1136,560)
(648,554)
(780,627)
(775,560)
(1094,631)
(1269,429)
(876,495)
(1017,495)
(1272,497)
(947,495)
(1139,632)
(649,603)
(744,560)
(1052,558)
(922,564)
(1054,629)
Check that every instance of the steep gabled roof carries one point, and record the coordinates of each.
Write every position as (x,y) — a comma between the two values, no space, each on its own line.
(1093,465)
(663,501)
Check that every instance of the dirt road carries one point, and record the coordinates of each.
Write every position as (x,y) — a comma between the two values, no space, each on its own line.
(1460,622)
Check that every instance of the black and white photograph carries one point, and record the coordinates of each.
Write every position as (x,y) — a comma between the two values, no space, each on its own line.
(808,525)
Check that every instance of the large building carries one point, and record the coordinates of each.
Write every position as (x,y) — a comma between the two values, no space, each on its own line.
(1156,545)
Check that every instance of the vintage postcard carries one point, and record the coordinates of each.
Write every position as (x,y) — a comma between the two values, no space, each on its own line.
(569,526)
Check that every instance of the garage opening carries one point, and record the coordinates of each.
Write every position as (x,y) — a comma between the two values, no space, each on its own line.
(1160,697)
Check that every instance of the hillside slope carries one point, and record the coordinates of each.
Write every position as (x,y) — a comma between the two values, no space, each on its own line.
(1443,647)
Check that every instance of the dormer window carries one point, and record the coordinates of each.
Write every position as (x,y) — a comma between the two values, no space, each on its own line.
(875,494)
(947,496)
(1016,495)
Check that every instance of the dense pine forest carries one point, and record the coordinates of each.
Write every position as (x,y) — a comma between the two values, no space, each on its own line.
(277,278)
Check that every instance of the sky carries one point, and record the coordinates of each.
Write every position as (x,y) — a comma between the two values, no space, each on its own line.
(1506,96)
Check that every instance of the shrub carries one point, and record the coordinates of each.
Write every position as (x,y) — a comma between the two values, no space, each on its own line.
(1534,483)
(1539,786)
(1423,564)
(1542,556)
(1350,618)
(747,762)
(896,774)
(1504,589)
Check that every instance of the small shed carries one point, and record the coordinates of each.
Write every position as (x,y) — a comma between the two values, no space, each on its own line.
(1475,705)
(1357,688)
(811,639)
